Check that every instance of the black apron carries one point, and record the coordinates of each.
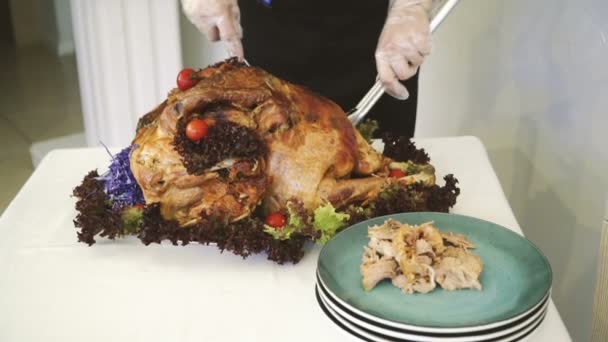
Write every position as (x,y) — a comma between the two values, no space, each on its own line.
(327,46)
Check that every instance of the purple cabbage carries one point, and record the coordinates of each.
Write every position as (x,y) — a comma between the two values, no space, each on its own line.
(119,183)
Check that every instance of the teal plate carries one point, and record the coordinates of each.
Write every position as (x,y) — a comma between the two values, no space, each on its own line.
(516,276)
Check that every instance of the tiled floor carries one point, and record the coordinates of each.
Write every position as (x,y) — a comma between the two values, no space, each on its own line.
(39,100)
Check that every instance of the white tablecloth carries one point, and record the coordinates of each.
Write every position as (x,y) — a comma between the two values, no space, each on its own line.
(53,288)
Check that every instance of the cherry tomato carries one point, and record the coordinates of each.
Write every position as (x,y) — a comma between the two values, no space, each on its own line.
(276,220)
(196,129)
(139,206)
(397,174)
(186,79)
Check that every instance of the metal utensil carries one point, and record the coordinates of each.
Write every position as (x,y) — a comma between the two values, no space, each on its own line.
(440,11)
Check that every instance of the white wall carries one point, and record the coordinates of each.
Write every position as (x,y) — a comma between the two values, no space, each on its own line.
(530,78)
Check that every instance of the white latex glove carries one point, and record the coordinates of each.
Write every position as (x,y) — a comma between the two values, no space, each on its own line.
(219,20)
(404,42)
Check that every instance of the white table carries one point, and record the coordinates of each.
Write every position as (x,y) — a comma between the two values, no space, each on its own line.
(53,288)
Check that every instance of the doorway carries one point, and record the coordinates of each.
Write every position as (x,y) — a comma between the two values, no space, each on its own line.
(39,95)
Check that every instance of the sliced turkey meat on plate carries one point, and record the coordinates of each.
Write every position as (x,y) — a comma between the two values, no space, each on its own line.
(459,269)
(457,240)
(418,258)
(375,268)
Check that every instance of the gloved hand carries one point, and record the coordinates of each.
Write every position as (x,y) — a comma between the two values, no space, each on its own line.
(404,42)
(219,20)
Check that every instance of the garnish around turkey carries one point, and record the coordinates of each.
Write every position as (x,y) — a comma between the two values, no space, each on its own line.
(239,158)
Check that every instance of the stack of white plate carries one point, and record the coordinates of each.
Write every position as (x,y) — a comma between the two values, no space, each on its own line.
(516,289)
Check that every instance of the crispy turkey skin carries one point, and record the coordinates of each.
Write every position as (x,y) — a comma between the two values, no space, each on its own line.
(311,151)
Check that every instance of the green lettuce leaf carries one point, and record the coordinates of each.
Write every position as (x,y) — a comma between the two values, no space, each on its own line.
(131,219)
(408,167)
(367,129)
(328,222)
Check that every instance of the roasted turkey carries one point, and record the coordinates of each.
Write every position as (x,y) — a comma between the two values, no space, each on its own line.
(269,142)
